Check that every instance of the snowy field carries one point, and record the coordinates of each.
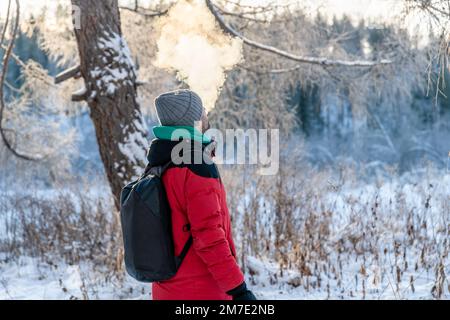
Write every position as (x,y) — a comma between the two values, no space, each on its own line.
(30,279)
(385,241)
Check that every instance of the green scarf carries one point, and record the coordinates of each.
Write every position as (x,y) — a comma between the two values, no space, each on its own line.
(175,133)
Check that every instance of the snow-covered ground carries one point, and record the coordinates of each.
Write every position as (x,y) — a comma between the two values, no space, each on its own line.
(385,241)
(30,279)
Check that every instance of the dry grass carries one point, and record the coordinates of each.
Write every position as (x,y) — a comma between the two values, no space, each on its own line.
(67,225)
(334,227)
(336,231)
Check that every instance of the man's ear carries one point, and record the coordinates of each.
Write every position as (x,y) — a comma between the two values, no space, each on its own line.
(204,122)
(205,125)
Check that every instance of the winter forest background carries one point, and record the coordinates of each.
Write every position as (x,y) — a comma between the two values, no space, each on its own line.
(360,208)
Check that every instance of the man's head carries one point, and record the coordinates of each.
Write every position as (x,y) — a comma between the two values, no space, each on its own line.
(181,108)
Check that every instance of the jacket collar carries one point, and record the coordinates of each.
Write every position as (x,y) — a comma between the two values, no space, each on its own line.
(160,150)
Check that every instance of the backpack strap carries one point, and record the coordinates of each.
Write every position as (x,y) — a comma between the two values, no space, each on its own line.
(156,171)
(187,245)
(180,258)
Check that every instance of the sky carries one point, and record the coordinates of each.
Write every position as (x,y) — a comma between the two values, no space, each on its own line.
(374,11)
(366,8)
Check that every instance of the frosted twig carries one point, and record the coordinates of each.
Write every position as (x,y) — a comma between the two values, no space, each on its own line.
(6,58)
(302,59)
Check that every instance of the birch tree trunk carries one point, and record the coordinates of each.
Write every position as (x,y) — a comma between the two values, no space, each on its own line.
(110,90)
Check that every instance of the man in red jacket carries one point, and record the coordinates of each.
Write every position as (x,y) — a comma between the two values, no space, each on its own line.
(198,204)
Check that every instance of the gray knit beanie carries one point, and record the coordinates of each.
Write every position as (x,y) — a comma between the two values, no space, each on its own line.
(179,108)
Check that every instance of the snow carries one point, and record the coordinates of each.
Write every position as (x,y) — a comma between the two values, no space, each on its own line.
(31,279)
(368,223)
(135,146)
(80,92)
(291,287)
(392,269)
(119,68)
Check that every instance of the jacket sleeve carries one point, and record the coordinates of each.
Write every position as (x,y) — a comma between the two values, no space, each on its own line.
(208,232)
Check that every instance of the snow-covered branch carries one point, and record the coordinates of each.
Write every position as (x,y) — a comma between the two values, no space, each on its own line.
(298,58)
(148,13)
(67,74)
(6,58)
(5,26)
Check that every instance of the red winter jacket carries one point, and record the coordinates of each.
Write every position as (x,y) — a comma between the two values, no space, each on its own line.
(197,198)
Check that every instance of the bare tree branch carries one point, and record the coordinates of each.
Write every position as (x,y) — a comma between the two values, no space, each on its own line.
(439,11)
(431,7)
(2,38)
(13,56)
(273,71)
(251,13)
(6,58)
(80,95)
(242,15)
(144,12)
(67,74)
(302,59)
(24,65)
(12,88)
(254,9)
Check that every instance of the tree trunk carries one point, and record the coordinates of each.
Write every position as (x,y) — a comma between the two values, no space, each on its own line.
(110,91)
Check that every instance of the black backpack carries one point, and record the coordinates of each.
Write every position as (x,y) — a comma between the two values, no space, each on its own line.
(147,229)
